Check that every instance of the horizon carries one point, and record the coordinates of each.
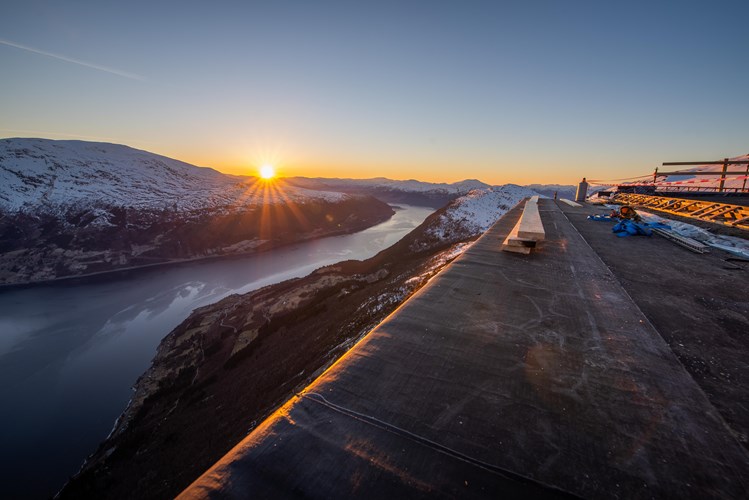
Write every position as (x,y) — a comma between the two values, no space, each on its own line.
(276,176)
(433,91)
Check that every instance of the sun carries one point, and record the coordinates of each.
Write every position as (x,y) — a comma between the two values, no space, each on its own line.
(267,172)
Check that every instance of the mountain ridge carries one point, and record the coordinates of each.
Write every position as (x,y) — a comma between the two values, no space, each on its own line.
(72,208)
(43,173)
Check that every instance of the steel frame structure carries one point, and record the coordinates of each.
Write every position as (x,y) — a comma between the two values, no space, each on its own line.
(721,213)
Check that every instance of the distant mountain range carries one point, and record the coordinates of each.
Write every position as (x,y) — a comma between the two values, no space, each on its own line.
(413,192)
(49,175)
(70,208)
(551,190)
(42,174)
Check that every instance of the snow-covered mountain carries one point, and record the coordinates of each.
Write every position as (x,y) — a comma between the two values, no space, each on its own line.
(45,174)
(549,190)
(478,210)
(416,192)
(411,192)
(70,207)
(469,215)
(407,185)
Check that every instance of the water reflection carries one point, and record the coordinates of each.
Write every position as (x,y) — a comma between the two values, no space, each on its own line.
(69,352)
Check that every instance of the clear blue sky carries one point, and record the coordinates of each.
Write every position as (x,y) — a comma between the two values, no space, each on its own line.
(526,91)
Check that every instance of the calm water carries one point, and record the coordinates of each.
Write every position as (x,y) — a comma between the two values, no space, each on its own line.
(70,352)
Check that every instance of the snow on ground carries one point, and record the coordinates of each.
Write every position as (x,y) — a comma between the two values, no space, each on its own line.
(731,244)
(469,216)
(43,172)
(478,210)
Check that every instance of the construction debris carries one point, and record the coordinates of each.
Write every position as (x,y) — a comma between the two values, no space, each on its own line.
(630,223)
(625,212)
(683,241)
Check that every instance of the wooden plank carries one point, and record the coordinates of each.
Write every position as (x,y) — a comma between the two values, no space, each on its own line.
(530,222)
(523,250)
(716,162)
(508,246)
(570,202)
(722,212)
(686,174)
(703,210)
(520,242)
(527,231)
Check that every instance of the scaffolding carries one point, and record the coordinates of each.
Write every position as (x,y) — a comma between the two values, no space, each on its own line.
(721,213)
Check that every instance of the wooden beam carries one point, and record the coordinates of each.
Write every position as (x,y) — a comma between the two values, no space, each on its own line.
(570,202)
(719,162)
(718,213)
(521,242)
(723,176)
(701,173)
(508,247)
(523,250)
(530,222)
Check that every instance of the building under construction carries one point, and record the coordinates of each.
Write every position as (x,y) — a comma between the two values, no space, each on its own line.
(712,191)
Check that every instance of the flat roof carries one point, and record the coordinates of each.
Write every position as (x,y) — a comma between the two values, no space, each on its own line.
(507,374)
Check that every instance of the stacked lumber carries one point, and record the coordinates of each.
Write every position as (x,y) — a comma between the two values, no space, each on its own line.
(527,232)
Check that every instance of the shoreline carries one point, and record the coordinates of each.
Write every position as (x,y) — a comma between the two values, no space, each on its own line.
(175,262)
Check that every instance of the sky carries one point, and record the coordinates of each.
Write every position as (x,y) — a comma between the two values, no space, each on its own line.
(502,91)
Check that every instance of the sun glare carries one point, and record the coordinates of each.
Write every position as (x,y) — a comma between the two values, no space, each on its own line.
(267,172)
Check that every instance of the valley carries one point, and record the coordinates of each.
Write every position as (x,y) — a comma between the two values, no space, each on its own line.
(230,364)
(109,219)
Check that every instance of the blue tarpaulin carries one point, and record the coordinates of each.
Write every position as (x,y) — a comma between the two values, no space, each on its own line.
(627,227)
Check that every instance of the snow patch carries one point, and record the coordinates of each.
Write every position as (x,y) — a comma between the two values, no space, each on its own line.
(731,244)
(481,208)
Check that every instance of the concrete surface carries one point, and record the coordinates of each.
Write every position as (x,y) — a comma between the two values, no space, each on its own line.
(508,375)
